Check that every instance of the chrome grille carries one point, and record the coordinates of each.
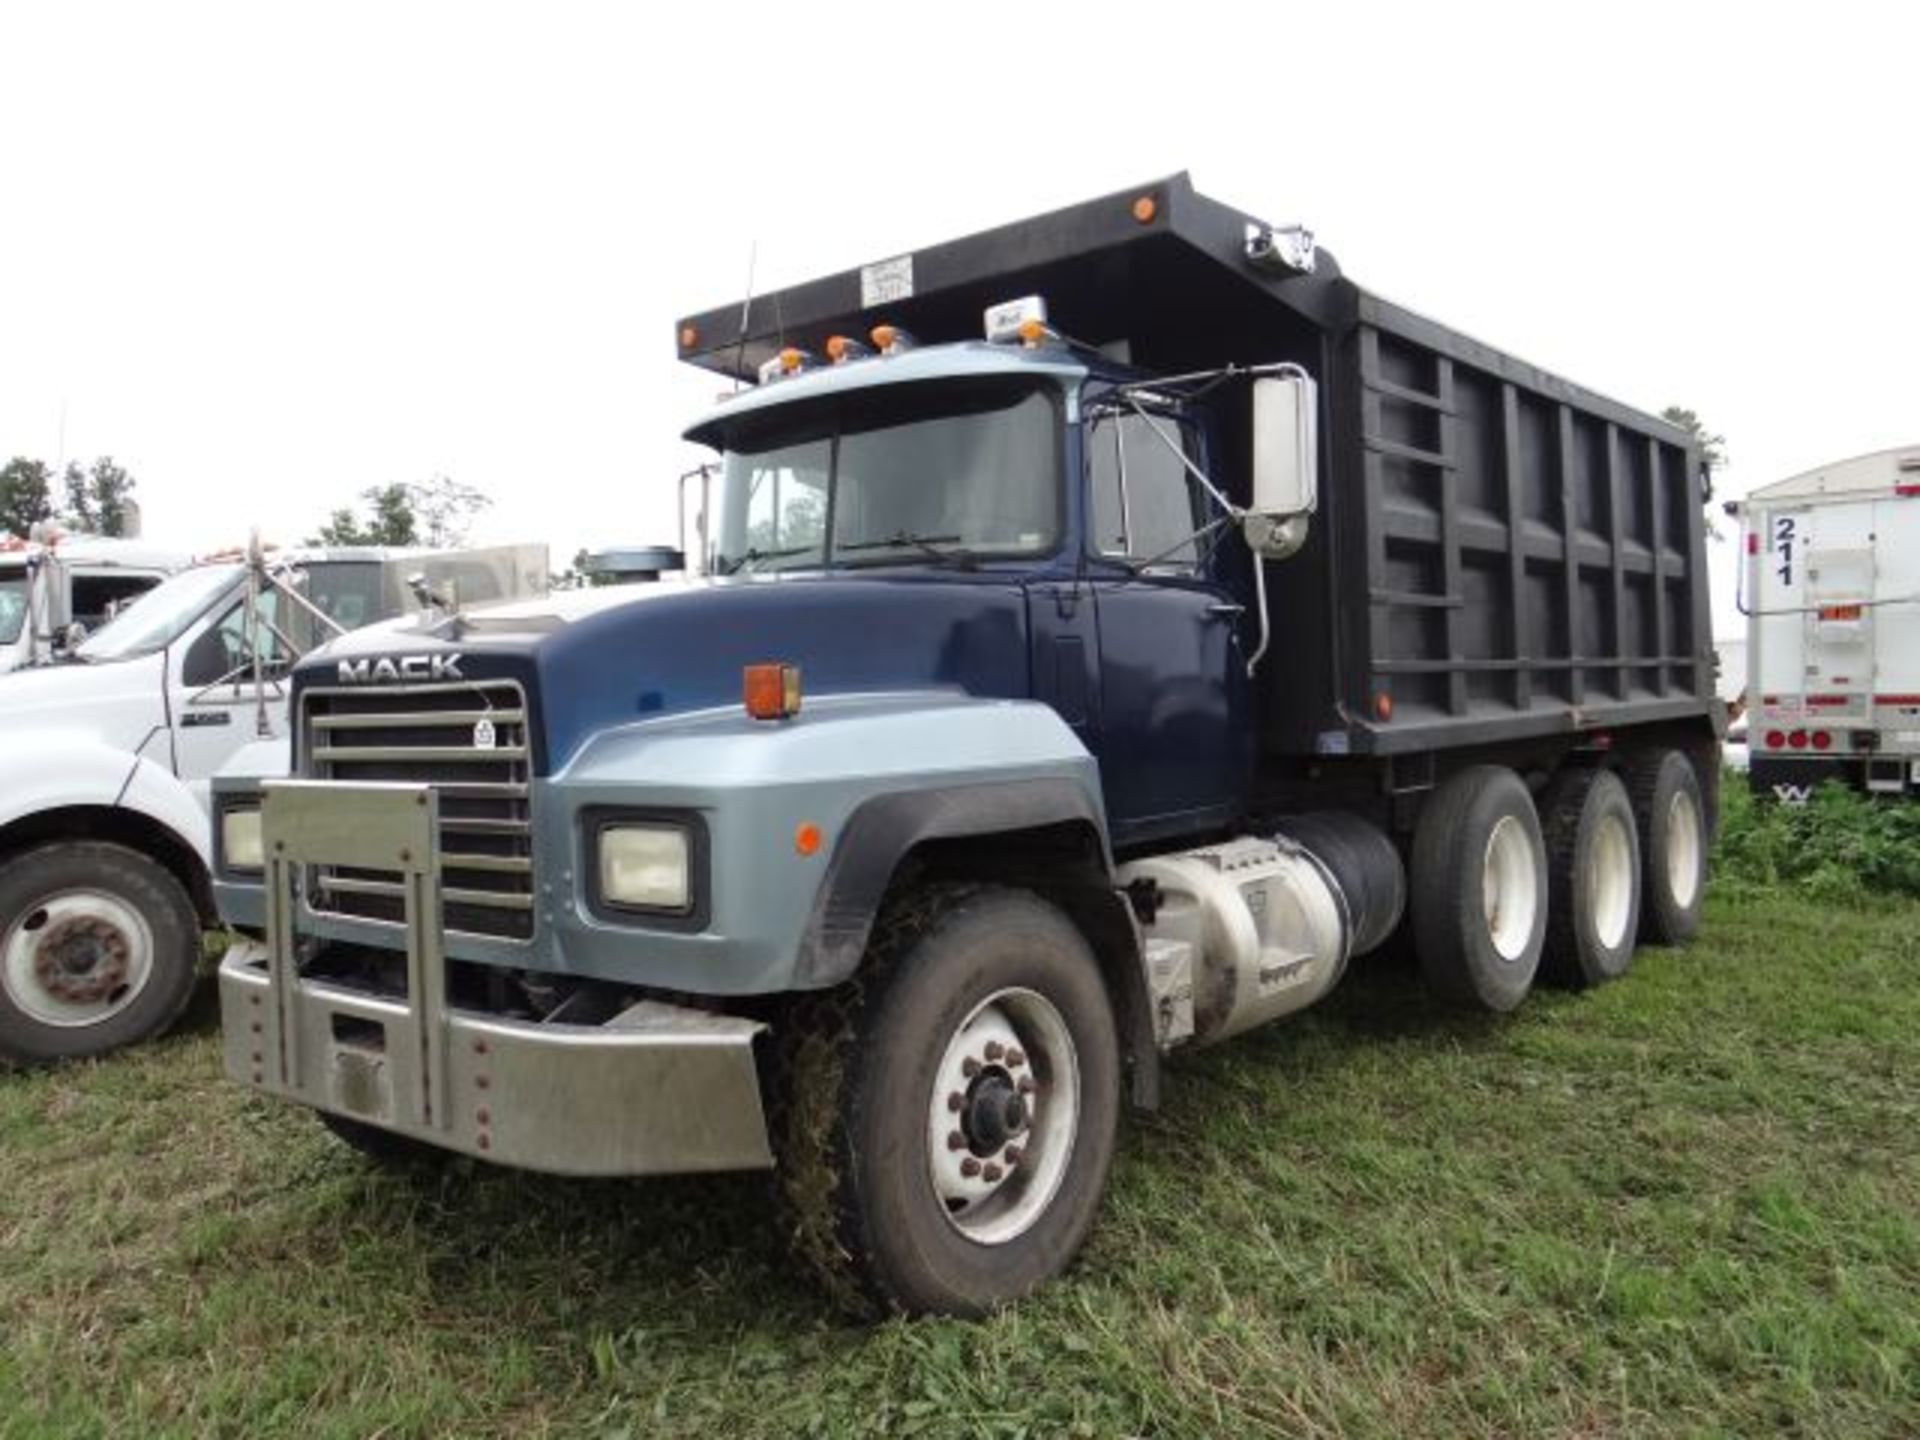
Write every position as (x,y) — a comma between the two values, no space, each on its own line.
(432,734)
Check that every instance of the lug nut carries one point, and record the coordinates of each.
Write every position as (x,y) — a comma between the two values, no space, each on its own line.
(969,1067)
(1016,1057)
(956,1141)
(1027,1087)
(956,1102)
(995,1050)
(970,1167)
(1013,1155)
(992,1174)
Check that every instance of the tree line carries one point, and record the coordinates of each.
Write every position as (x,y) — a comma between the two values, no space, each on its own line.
(99,497)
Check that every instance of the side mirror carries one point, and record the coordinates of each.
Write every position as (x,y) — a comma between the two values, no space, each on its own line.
(1286,451)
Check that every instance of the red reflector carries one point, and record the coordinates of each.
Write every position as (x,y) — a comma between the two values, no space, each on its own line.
(1906,489)
(1775,740)
(1798,739)
(1821,740)
(1839,612)
(1828,702)
(1896,699)
(1753,542)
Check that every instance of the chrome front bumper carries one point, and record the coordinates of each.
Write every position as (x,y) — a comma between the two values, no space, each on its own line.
(657,1089)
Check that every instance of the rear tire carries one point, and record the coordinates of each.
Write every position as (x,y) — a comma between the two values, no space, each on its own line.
(985,997)
(1480,895)
(99,948)
(1594,875)
(1672,816)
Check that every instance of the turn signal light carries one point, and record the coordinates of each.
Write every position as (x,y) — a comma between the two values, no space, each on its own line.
(771,692)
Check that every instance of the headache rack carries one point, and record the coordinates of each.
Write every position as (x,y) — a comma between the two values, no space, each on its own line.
(470,742)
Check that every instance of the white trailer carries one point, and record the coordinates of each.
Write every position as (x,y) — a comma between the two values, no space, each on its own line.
(1830,586)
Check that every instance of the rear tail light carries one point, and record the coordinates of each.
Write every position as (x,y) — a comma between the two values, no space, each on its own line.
(1798,740)
(1822,740)
(1775,739)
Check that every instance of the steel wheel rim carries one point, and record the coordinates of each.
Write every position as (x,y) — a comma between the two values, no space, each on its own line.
(994,1179)
(75,959)
(1684,850)
(1509,888)
(1610,876)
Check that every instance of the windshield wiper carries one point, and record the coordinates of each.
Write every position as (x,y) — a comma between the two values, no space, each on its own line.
(928,545)
(731,564)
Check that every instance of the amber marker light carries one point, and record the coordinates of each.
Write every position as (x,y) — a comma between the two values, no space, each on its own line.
(1145,208)
(806,838)
(1383,706)
(689,337)
(771,692)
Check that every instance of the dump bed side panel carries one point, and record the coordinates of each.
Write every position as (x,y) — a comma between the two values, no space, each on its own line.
(1511,555)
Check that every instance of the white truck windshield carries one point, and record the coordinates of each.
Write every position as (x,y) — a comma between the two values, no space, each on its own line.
(161,615)
(13,603)
(892,475)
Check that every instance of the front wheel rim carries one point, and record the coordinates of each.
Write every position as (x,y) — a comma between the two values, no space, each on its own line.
(1610,880)
(1510,888)
(1003,1116)
(76,959)
(1683,850)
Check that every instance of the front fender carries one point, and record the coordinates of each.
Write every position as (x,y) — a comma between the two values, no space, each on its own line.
(46,771)
(873,774)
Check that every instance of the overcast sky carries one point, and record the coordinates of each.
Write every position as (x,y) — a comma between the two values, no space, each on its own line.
(269,255)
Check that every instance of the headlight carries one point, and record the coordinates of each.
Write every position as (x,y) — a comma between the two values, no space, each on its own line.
(241,847)
(646,867)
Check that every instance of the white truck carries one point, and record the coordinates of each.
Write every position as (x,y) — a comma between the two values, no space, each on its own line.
(106,759)
(1830,586)
(47,588)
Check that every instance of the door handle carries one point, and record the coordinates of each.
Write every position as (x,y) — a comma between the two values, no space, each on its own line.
(1226,610)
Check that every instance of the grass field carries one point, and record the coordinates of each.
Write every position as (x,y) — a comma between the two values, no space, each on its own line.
(1689,1203)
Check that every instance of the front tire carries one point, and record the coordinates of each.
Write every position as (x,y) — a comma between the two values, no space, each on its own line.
(946,1120)
(99,947)
(385,1148)
(1479,888)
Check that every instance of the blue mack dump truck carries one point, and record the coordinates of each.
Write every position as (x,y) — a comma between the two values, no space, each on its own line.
(1113,624)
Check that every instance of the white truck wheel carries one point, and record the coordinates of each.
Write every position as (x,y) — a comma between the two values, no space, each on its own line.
(1479,889)
(98,949)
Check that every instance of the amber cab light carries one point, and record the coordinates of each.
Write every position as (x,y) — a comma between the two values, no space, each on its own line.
(771,692)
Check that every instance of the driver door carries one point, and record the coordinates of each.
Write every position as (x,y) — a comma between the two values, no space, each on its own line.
(1174,744)
(214,706)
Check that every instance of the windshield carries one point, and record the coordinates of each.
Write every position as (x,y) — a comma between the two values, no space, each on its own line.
(158,617)
(892,475)
(13,603)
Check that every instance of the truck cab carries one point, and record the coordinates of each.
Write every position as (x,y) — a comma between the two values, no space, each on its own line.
(109,753)
(1016,479)
(54,594)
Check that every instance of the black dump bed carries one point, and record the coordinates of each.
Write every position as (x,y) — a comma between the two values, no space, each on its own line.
(1498,553)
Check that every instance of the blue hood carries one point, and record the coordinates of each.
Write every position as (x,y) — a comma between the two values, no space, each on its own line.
(591,660)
